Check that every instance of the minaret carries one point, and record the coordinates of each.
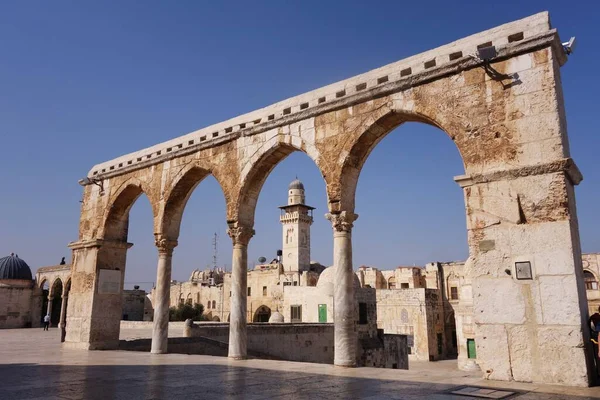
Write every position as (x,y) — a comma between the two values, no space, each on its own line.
(296,218)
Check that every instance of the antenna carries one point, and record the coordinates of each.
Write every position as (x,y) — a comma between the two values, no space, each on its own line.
(215,243)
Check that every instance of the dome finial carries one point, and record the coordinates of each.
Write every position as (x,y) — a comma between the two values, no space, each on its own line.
(296,184)
(12,254)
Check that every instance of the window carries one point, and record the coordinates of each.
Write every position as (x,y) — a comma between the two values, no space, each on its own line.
(392,283)
(208,305)
(404,286)
(453,293)
(296,313)
(264,290)
(287,283)
(295,283)
(214,304)
(362,313)
(590,281)
(249,292)
(230,293)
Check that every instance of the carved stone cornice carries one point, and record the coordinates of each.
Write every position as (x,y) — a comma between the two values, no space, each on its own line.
(97,243)
(565,165)
(342,221)
(240,234)
(164,244)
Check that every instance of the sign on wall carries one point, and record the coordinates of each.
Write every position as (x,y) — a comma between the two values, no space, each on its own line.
(109,281)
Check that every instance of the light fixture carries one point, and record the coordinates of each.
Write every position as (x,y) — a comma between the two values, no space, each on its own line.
(487,53)
(569,46)
(89,181)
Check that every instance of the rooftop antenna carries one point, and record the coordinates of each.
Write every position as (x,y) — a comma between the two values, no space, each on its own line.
(215,243)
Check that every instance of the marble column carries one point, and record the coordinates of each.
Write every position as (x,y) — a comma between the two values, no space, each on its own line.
(160,329)
(345,337)
(240,235)
(63,315)
(49,308)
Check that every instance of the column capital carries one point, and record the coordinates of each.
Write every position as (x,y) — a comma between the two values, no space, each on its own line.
(50,298)
(342,221)
(239,234)
(164,244)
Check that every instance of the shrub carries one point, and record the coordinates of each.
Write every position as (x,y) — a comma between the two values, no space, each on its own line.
(187,311)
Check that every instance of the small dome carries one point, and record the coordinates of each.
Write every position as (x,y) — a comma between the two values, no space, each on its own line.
(276,317)
(296,184)
(327,278)
(12,267)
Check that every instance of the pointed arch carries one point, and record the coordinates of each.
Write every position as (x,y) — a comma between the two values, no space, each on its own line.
(57,285)
(258,169)
(177,196)
(67,285)
(358,150)
(116,223)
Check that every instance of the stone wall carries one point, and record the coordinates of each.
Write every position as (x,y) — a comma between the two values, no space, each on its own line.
(292,342)
(133,305)
(307,343)
(17,303)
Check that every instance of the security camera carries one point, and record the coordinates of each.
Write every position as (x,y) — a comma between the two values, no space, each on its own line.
(569,46)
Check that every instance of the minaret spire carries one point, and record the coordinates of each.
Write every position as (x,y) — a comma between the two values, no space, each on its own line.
(296,219)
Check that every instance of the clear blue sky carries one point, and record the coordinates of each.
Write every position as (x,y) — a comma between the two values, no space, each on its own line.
(83,82)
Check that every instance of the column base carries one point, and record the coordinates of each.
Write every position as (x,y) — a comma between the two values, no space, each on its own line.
(237,357)
(344,364)
(158,352)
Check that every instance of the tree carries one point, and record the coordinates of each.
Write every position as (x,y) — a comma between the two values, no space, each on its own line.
(185,311)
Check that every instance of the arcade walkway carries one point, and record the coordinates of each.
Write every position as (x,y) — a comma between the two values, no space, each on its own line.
(34,366)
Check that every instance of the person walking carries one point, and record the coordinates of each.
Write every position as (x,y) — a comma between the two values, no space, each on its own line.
(46,322)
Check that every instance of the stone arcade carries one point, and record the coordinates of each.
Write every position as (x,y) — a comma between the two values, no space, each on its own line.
(506,117)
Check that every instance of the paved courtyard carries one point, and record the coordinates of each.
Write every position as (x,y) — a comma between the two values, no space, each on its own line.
(34,366)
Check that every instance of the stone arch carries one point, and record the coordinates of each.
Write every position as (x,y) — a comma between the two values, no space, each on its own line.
(391,283)
(43,281)
(382,122)
(452,281)
(590,279)
(188,299)
(178,194)
(116,222)
(67,286)
(56,285)
(262,314)
(256,171)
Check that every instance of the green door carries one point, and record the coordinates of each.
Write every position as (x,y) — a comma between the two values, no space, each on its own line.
(322,312)
(471,348)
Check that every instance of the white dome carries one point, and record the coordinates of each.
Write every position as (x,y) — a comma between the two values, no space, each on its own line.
(276,317)
(327,278)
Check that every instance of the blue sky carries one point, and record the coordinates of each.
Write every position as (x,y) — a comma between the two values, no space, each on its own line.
(83,82)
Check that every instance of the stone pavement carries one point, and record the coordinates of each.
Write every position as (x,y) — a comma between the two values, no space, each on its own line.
(34,366)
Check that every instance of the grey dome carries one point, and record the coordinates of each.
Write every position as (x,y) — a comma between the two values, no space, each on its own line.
(296,184)
(12,267)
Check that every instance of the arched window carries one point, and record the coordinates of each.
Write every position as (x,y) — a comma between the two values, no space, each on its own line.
(590,281)
(208,304)
(214,305)
(392,283)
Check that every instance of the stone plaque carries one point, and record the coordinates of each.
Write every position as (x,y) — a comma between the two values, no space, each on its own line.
(487,245)
(109,281)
